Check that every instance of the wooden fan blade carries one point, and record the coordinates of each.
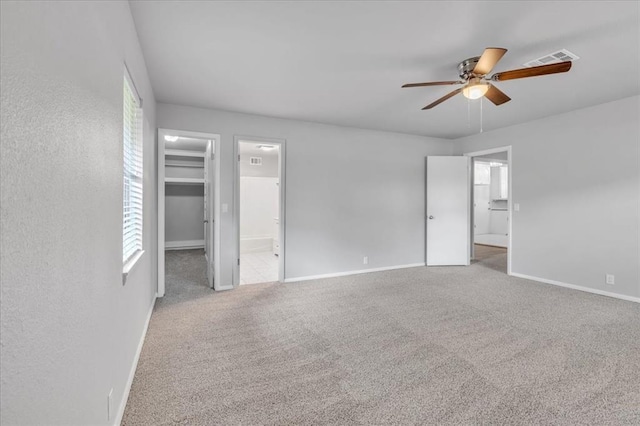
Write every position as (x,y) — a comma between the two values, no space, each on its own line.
(496,95)
(533,71)
(488,60)
(433,83)
(442,99)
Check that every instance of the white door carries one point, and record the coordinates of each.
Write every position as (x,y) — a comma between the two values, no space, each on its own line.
(208,214)
(448,211)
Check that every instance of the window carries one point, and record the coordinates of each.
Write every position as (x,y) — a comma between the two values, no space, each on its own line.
(132,193)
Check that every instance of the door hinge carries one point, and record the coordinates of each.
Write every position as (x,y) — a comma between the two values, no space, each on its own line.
(238,262)
(238,157)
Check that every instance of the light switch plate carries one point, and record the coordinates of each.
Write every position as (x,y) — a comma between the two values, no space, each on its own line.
(516,207)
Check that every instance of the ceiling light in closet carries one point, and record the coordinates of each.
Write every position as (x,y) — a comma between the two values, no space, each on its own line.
(171,138)
(266,147)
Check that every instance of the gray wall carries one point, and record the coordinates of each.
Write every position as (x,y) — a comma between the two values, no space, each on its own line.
(349,192)
(70,329)
(184,213)
(575,176)
(184,206)
(269,167)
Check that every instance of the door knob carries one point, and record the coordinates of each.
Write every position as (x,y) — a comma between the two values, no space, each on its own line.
(430,217)
(206,221)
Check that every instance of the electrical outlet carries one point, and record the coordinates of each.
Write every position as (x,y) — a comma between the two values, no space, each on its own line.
(365,260)
(610,279)
(110,404)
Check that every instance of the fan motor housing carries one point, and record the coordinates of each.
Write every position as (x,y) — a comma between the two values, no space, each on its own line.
(465,68)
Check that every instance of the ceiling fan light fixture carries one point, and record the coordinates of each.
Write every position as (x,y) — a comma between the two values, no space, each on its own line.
(474,75)
(475,90)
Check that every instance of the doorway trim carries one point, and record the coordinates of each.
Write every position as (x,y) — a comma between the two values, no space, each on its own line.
(506,149)
(282,143)
(161,194)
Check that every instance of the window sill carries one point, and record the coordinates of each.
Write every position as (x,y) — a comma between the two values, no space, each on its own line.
(131,263)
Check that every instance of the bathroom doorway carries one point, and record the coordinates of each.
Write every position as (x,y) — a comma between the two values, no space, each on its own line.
(259,211)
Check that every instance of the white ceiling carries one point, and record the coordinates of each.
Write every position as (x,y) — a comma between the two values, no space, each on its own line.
(344,62)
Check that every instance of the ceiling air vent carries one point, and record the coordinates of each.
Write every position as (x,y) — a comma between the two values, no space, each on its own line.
(552,58)
(255,161)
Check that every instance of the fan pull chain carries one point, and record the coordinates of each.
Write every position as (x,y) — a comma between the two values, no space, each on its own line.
(481,114)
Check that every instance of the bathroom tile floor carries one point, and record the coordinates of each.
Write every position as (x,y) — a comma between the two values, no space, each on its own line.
(260,267)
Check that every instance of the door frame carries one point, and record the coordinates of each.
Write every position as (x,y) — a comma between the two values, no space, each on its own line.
(508,150)
(161,207)
(282,143)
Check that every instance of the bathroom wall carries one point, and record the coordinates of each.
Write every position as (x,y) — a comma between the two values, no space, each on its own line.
(269,167)
(259,201)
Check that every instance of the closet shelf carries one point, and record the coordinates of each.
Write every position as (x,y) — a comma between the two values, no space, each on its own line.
(183,153)
(183,181)
(169,163)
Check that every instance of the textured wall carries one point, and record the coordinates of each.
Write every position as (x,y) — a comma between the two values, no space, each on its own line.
(349,192)
(576,178)
(70,329)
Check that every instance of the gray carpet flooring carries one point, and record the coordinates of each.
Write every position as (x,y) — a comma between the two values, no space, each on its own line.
(446,345)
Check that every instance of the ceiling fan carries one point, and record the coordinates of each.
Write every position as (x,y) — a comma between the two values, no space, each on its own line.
(473,76)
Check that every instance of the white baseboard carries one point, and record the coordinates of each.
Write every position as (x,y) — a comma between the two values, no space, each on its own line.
(183,245)
(344,274)
(223,288)
(577,287)
(132,372)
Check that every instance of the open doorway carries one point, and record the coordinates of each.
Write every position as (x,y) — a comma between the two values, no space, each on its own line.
(259,211)
(187,206)
(491,207)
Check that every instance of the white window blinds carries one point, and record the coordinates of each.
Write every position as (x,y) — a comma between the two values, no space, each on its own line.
(132,195)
